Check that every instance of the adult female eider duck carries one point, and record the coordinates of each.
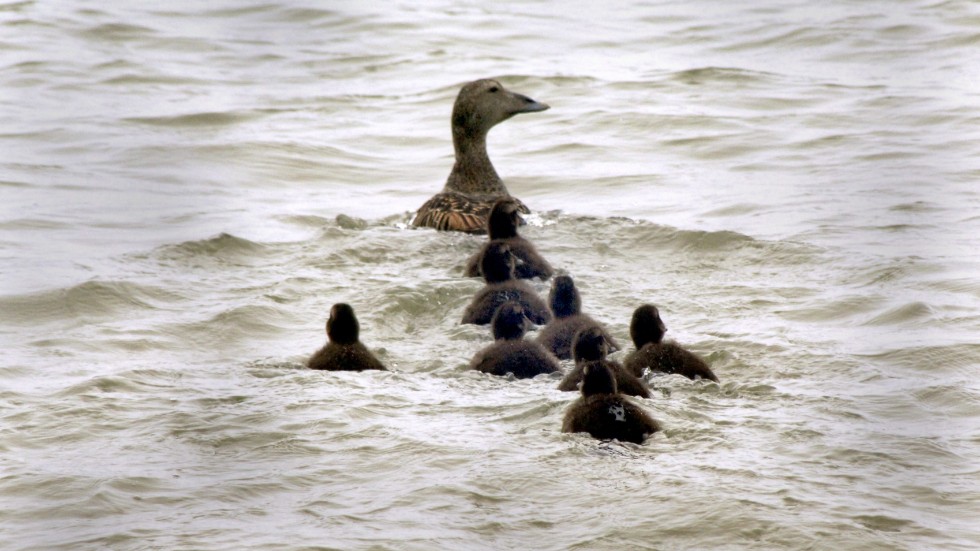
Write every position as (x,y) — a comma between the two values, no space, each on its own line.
(502,225)
(604,413)
(498,271)
(647,331)
(590,349)
(566,307)
(343,351)
(473,185)
(510,353)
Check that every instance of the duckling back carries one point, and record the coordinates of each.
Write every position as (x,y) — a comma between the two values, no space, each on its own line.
(343,351)
(568,320)
(498,271)
(502,225)
(510,353)
(647,330)
(590,351)
(604,413)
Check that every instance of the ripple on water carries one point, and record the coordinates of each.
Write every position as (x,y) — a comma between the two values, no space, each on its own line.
(901,315)
(929,359)
(225,248)
(92,300)
(196,120)
(159,398)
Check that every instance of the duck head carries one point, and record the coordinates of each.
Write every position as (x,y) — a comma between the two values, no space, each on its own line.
(597,378)
(509,321)
(503,219)
(497,263)
(590,345)
(342,326)
(646,326)
(482,104)
(564,298)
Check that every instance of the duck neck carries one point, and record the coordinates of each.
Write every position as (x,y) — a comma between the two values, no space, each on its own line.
(655,337)
(473,173)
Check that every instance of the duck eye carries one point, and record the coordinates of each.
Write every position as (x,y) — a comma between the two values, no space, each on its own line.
(494,89)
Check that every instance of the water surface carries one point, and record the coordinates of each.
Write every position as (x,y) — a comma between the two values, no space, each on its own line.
(188,188)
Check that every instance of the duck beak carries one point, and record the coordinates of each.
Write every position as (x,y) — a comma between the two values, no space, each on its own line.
(525,104)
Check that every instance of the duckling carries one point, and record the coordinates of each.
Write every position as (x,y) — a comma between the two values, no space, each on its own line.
(502,225)
(590,349)
(473,185)
(497,265)
(647,331)
(566,306)
(510,353)
(604,413)
(343,351)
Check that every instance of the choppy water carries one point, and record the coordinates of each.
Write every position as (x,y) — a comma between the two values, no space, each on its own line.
(187,188)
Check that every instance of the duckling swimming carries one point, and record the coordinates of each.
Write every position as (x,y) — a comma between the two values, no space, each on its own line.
(473,185)
(497,265)
(343,351)
(566,306)
(647,331)
(590,349)
(510,353)
(604,413)
(502,225)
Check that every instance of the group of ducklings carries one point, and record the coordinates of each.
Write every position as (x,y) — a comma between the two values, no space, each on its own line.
(475,199)
(509,304)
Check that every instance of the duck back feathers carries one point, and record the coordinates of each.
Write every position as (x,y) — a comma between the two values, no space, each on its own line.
(604,413)
(524,359)
(668,357)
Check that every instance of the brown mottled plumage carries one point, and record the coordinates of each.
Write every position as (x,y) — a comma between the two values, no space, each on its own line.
(647,331)
(502,226)
(604,413)
(343,351)
(590,351)
(566,305)
(454,211)
(473,185)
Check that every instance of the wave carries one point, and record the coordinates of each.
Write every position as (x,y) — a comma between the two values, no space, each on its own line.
(223,248)
(90,300)
(646,234)
(912,311)
(933,360)
(206,118)
(235,325)
(705,75)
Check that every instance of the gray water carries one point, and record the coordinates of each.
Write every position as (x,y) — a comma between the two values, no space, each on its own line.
(187,187)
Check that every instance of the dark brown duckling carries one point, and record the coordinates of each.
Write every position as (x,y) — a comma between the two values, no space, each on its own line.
(590,349)
(647,331)
(566,306)
(502,226)
(497,265)
(473,185)
(604,413)
(510,353)
(343,351)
